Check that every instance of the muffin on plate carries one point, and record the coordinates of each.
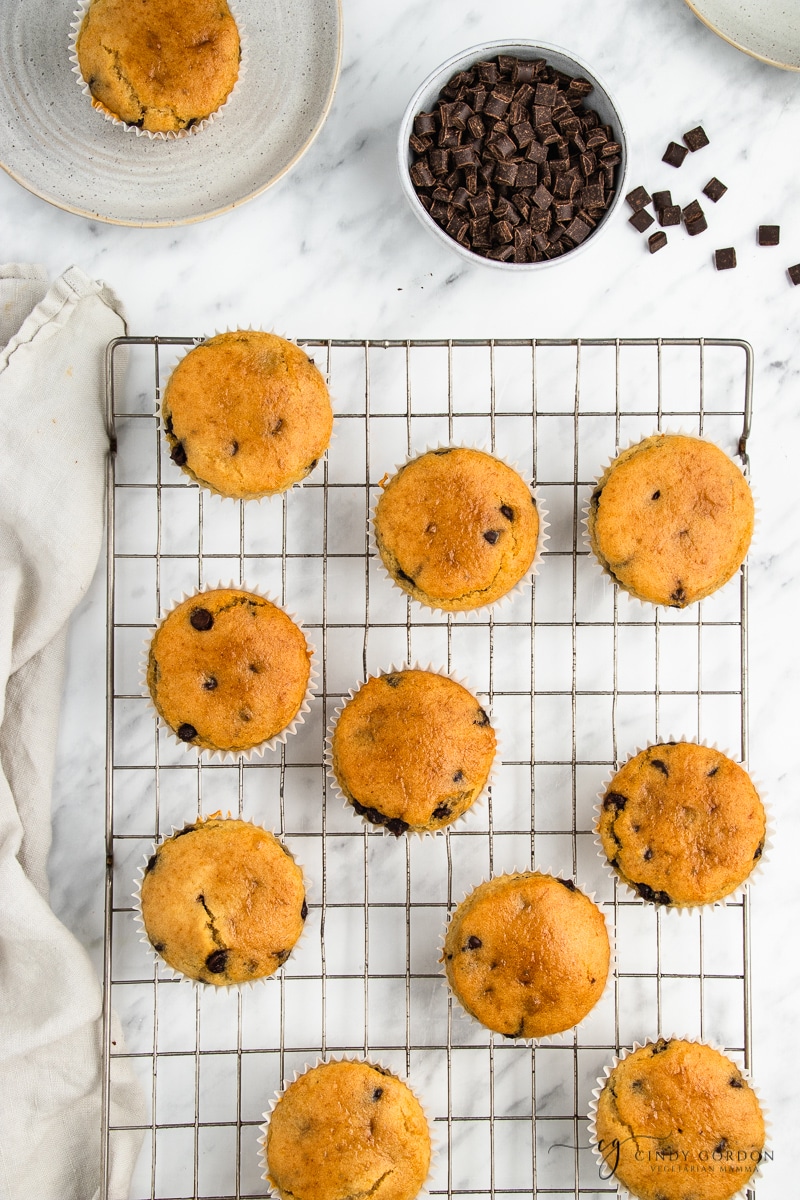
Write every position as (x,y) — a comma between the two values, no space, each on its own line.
(159,65)
(347,1129)
(247,414)
(527,954)
(456,528)
(228,670)
(679,1102)
(671,519)
(682,824)
(412,750)
(223,901)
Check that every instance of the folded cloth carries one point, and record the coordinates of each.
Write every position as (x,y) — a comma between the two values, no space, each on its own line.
(53,445)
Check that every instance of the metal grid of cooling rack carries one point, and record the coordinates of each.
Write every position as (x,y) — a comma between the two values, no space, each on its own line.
(576,676)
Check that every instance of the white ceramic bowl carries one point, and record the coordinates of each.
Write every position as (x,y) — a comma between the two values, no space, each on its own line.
(427,94)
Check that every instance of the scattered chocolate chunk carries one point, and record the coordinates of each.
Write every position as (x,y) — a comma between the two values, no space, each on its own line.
(187,732)
(657,241)
(670,214)
(641,220)
(515,167)
(696,138)
(692,211)
(662,200)
(492,536)
(769,235)
(674,154)
(217,961)
(699,225)
(304,911)
(714,189)
(638,198)
(473,943)
(178,454)
(794,274)
(725,260)
(201,619)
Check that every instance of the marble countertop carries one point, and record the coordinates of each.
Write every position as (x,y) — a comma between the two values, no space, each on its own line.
(333,251)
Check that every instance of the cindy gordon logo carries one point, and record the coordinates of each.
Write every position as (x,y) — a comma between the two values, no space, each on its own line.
(721,1159)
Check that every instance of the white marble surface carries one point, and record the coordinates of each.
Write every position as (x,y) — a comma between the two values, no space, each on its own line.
(332,251)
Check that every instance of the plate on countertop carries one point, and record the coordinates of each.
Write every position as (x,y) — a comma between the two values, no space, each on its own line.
(57,146)
(766,29)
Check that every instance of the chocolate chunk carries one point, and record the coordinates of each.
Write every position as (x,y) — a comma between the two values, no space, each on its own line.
(692,211)
(210,683)
(304,911)
(473,943)
(794,274)
(542,198)
(674,154)
(151,862)
(422,175)
(696,138)
(648,854)
(159,947)
(614,800)
(579,230)
(178,454)
(698,225)
(736,1082)
(714,189)
(186,732)
(725,260)
(281,956)
(482,718)
(507,512)
(662,200)
(568,884)
(641,221)
(492,536)
(424,124)
(638,198)
(407,578)
(234,448)
(759,851)
(660,765)
(669,215)
(441,811)
(648,893)
(201,619)
(396,826)
(458,777)
(376,1095)
(657,241)
(769,235)
(217,961)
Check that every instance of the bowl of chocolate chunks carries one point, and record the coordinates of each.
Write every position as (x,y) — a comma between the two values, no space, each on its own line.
(513,154)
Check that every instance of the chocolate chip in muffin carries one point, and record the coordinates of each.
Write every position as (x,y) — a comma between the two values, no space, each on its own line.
(660,765)
(186,732)
(210,683)
(217,961)
(507,512)
(376,1095)
(650,894)
(482,718)
(615,800)
(201,619)
(178,454)
(569,885)
(304,911)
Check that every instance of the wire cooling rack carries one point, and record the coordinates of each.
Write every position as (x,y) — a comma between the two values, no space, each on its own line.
(576,675)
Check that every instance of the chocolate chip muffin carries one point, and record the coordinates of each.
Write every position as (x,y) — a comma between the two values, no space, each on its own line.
(671,519)
(456,528)
(676,1120)
(228,670)
(682,824)
(347,1129)
(247,414)
(412,750)
(223,901)
(159,65)
(527,954)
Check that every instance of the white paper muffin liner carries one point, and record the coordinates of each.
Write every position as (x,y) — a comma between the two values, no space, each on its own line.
(483,610)
(203,485)
(549,1038)
(585,510)
(479,800)
(278,739)
(172,134)
(163,966)
(738,892)
(372,1061)
(622,1192)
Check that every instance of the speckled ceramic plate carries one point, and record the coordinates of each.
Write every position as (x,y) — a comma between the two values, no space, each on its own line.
(766,29)
(54,143)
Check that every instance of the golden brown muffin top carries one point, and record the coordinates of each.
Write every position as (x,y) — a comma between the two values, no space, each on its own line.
(527,955)
(344,1130)
(228,670)
(456,528)
(677,1121)
(671,519)
(247,414)
(159,64)
(412,750)
(223,901)
(682,824)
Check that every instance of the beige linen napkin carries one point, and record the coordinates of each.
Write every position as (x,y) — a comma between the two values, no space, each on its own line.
(53,445)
